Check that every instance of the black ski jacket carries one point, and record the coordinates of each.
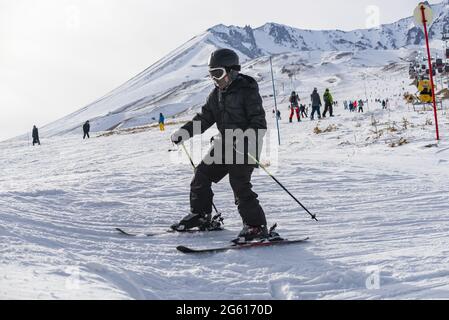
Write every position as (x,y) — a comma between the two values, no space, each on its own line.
(316,99)
(238,107)
(294,100)
(86,127)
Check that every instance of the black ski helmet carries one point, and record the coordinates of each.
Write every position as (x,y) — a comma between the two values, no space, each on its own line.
(224,58)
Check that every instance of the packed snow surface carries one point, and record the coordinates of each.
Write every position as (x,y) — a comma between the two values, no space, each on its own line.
(378,182)
(383,211)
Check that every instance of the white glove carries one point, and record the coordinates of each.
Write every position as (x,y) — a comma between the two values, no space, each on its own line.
(179,136)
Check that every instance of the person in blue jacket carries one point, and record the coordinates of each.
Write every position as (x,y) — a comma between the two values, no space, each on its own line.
(161,122)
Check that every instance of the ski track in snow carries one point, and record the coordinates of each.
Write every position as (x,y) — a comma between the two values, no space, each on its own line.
(378,207)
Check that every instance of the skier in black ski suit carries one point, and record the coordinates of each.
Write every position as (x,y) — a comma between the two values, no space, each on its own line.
(86,130)
(316,104)
(302,109)
(35,135)
(235,103)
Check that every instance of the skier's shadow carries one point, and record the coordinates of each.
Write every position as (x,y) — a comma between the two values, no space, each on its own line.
(296,273)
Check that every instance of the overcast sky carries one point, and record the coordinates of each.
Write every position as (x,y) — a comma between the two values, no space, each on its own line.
(56,56)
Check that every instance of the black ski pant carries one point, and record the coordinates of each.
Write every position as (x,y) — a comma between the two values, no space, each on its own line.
(201,195)
(86,134)
(317,110)
(328,108)
(36,140)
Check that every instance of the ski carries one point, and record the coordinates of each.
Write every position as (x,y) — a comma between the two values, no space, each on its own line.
(249,245)
(216,224)
(129,234)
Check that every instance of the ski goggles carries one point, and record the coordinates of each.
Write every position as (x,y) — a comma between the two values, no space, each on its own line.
(218,73)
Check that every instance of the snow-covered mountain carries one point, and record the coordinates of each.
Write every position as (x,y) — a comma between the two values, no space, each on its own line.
(274,38)
(376,180)
(178,82)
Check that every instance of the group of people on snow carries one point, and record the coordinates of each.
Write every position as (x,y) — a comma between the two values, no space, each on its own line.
(385,103)
(36,139)
(301,111)
(354,105)
(86,130)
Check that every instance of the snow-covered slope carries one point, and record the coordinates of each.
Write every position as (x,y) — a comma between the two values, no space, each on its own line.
(140,101)
(382,211)
(179,82)
(377,181)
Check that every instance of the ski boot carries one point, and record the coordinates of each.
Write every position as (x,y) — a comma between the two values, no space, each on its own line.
(199,221)
(257,234)
(252,234)
(216,224)
(273,235)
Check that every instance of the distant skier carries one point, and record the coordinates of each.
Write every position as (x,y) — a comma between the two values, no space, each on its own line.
(86,130)
(361,105)
(294,106)
(328,103)
(161,122)
(278,113)
(351,106)
(234,104)
(35,135)
(303,111)
(316,104)
(384,105)
(345,103)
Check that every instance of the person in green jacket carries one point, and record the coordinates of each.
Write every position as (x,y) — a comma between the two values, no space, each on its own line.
(328,104)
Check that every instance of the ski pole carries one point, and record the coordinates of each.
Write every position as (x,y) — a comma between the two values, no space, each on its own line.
(280,184)
(188,155)
(194,167)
